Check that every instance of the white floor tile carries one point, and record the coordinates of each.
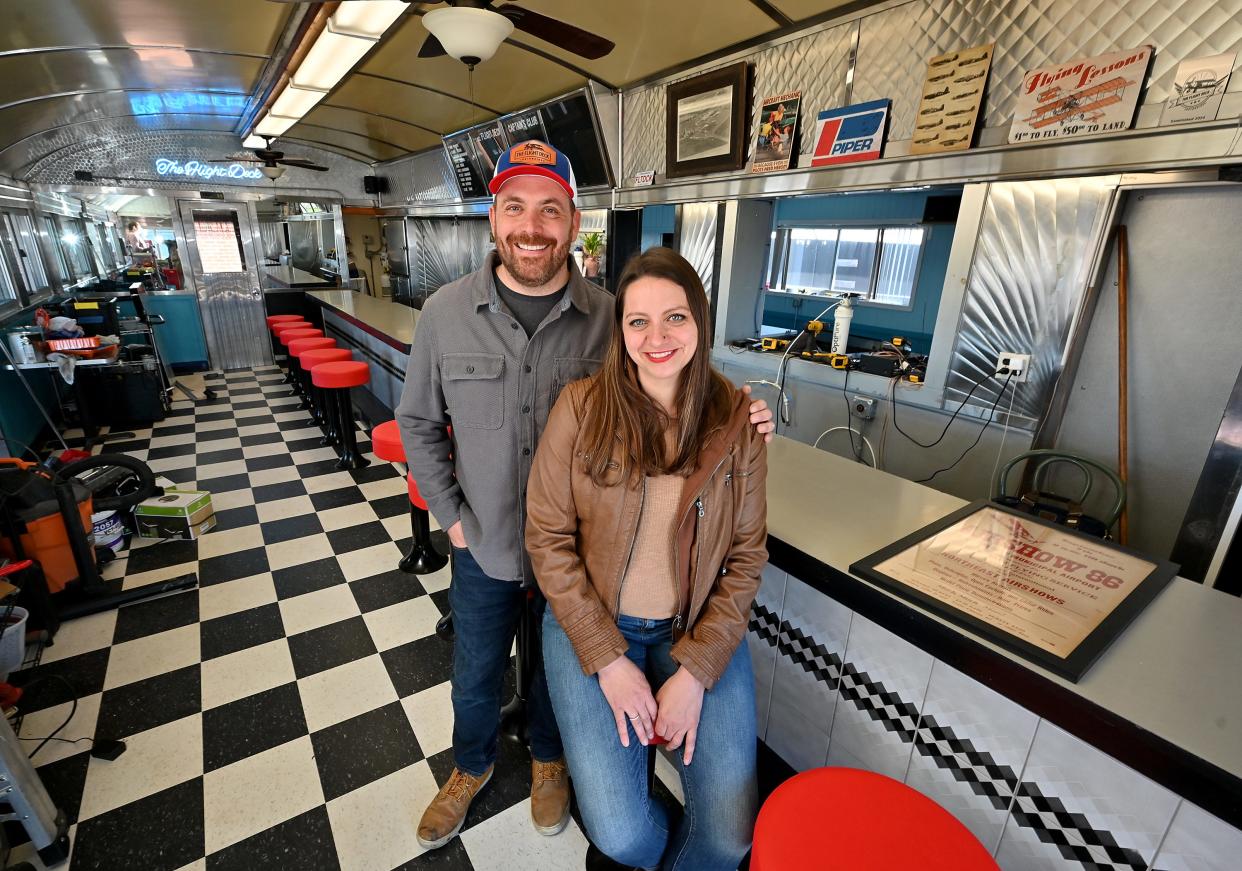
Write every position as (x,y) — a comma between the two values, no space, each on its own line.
(172,440)
(431,716)
(292,414)
(384,487)
(279,509)
(369,561)
(155,576)
(253,451)
(373,826)
(219,542)
(508,840)
(398,526)
(314,455)
(310,431)
(319,608)
(219,470)
(153,761)
(210,445)
(437,581)
(403,622)
(279,475)
(336,695)
(257,429)
(169,464)
(331,481)
(259,792)
(44,722)
(298,551)
(115,569)
(232,499)
(219,600)
(153,654)
(346,515)
(82,635)
(246,672)
(213,425)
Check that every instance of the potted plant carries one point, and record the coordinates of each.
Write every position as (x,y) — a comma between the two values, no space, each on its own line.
(592,247)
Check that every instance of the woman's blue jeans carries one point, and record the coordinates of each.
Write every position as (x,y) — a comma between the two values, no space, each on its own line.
(610,781)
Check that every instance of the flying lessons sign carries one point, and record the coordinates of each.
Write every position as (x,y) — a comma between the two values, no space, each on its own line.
(1080,98)
(165,166)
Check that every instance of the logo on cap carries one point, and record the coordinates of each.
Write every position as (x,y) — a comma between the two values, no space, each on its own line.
(532,154)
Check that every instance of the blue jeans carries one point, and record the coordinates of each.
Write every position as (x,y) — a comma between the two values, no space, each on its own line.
(622,818)
(485,621)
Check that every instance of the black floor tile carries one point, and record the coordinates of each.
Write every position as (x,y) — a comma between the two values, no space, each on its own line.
(275,461)
(45,686)
(510,782)
(180,476)
(178,428)
(419,665)
(329,646)
(155,615)
(243,387)
(451,857)
(251,725)
(161,555)
(213,415)
(128,447)
(64,778)
(169,451)
(261,438)
(391,506)
(235,518)
(234,632)
(337,498)
(303,842)
(288,528)
(296,423)
(214,435)
(364,749)
(162,832)
(306,578)
(231,566)
(319,467)
(309,443)
(256,420)
(249,403)
(225,483)
(224,456)
(380,591)
(151,702)
(283,490)
(380,471)
(357,537)
(441,598)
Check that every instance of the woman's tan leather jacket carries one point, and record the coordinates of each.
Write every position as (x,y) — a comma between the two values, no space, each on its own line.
(580,537)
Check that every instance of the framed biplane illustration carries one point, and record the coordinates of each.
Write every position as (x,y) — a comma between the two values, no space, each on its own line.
(1080,98)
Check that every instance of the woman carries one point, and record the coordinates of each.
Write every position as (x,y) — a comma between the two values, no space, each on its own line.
(646,526)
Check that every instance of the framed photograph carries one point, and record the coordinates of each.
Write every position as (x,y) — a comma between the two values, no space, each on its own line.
(705,126)
(1050,594)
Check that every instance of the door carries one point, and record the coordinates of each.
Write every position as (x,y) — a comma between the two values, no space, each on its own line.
(223,262)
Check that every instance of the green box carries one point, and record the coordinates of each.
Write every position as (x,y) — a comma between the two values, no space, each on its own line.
(177,514)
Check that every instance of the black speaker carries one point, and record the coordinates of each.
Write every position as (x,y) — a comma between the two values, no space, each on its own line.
(375,184)
(942,209)
(83,175)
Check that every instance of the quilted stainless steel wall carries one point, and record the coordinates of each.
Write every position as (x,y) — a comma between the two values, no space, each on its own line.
(696,239)
(421,178)
(1031,267)
(445,249)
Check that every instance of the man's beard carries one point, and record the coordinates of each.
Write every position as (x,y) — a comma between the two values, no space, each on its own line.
(532,272)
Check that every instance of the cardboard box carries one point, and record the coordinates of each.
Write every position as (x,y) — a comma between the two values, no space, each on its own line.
(177,514)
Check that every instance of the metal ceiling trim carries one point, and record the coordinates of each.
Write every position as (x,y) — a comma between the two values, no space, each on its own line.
(327,105)
(55,151)
(246,194)
(1152,149)
(601,199)
(291,34)
(416,86)
(56,48)
(328,146)
(350,133)
(772,12)
(84,91)
(55,127)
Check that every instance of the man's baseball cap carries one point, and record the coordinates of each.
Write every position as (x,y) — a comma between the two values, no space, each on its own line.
(534,158)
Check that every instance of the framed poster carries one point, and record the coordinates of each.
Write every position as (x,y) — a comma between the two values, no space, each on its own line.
(219,241)
(952,96)
(1048,593)
(1080,98)
(1198,88)
(705,122)
(850,134)
(776,131)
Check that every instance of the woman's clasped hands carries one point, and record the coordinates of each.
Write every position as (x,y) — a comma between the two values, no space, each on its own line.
(672,713)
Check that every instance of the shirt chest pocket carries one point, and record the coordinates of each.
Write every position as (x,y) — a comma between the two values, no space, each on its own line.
(566,370)
(474,390)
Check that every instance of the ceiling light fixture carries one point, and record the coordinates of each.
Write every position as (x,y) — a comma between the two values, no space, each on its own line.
(294,102)
(470,35)
(330,58)
(369,19)
(272,172)
(274,125)
(254,140)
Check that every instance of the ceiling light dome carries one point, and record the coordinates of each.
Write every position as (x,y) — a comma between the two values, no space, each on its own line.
(470,35)
(272,172)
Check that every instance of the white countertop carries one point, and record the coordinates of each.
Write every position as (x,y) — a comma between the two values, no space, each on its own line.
(380,317)
(291,276)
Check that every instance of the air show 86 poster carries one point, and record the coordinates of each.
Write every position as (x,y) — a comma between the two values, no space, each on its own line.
(1080,98)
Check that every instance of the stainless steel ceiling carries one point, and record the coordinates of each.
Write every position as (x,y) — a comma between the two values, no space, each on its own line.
(75,68)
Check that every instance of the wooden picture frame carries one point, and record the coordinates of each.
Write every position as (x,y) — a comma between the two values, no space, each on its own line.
(706,122)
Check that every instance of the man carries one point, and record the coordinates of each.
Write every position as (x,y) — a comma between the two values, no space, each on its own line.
(491,353)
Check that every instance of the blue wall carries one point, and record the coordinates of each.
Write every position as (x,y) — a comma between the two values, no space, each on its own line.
(657,220)
(181,338)
(876,322)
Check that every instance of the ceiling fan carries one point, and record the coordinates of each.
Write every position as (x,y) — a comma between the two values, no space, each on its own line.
(274,162)
(572,39)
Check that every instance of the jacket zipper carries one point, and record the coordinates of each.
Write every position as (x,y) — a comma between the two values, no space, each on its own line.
(630,554)
(679,620)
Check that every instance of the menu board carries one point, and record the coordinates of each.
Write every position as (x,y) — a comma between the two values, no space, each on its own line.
(461,154)
(1055,595)
(218,238)
(525,125)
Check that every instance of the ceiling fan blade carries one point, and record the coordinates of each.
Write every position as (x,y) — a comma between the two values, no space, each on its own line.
(566,36)
(234,160)
(302,163)
(432,47)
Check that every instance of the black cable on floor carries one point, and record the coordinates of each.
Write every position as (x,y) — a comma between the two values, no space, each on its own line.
(897,426)
(982,430)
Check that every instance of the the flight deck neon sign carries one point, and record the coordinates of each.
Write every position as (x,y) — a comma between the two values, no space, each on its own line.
(207,171)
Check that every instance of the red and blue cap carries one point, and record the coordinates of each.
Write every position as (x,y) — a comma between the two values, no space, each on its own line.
(534,158)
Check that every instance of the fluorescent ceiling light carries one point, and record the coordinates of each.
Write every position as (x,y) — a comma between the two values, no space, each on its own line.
(370,18)
(330,58)
(274,125)
(294,102)
(254,140)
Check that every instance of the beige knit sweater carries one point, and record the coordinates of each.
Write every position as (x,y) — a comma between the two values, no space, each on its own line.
(649,589)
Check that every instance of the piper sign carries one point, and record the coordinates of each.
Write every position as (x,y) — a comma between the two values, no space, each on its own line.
(195,169)
(850,134)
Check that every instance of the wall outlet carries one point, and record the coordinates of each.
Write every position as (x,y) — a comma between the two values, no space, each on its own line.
(862,407)
(1014,367)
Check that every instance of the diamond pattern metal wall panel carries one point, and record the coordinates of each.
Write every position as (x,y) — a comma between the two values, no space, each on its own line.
(697,239)
(1027,280)
(421,178)
(445,249)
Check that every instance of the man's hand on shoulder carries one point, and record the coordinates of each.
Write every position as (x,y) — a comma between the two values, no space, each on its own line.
(760,416)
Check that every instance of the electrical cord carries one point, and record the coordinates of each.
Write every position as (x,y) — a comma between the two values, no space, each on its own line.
(944,431)
(865,443)
(72,710)
(849,412)
(1013,394)
(982,430)
(783,368)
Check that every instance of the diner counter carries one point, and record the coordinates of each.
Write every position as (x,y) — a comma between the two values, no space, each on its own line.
(384,319)
(290,278)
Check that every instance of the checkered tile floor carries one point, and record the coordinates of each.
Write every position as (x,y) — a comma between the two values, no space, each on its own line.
(293,711)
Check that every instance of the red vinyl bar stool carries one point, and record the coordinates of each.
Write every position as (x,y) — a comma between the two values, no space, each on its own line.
(847,818)
(278,319)
(336,380)
(423,557)
(287,336)
(308,360)
(277,348)
(296,347)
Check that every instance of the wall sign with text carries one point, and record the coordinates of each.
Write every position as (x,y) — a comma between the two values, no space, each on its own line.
(1080,98)
(195,169)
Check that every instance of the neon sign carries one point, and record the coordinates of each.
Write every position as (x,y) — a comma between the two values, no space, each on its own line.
(208,171)
(175,102)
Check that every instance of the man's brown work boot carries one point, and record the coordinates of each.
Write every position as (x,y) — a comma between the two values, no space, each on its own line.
(549,796)
(443,818)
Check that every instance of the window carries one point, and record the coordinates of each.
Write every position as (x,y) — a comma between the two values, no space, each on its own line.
(28,250)
(8,288)
(58,245)
(879,263)
(99,257)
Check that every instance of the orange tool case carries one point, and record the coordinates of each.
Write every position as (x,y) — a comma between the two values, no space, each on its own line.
(29,501)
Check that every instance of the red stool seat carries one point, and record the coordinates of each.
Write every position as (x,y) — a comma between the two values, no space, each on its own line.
(282,319)
(288,336)
(280,329)
(416,498)
(386,442)
(345,374)
(846,818)
(298,346)
(327,354)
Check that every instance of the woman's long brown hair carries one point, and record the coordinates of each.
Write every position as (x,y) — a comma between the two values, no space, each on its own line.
(621,423)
